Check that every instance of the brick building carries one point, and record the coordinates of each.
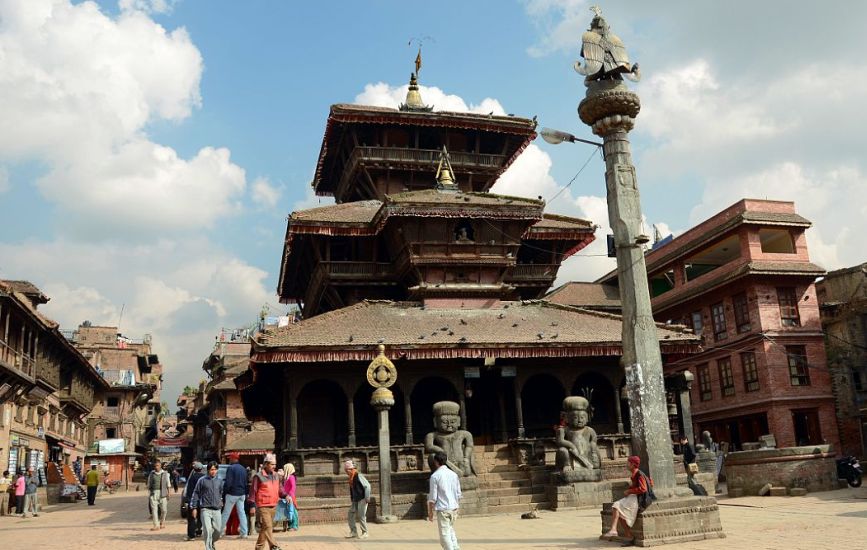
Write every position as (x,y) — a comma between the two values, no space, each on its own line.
(743,280)
(47,387)
(843,305)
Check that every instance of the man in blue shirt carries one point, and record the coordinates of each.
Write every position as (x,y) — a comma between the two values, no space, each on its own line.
(235,493)
(208,497)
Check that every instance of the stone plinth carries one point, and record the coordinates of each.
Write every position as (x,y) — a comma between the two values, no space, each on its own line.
(706,461)
(813,468)
(673,520)
(576,495)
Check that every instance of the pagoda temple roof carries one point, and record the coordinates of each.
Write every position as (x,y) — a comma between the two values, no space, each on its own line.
(412,331)
(584,294)
(343,113)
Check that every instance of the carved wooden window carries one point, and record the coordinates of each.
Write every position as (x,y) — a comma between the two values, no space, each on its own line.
(742,312)
(705,391)
(799,372)
(726,378)
(718,316)
(788,300)
(751,371)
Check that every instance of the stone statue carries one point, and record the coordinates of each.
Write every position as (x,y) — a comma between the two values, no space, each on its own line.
(577,453)
(604,54)
(457,444)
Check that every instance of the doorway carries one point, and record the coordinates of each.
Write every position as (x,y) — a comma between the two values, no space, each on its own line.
(807,429)
(490,401)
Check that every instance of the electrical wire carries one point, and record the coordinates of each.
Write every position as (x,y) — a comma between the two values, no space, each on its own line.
(583,166)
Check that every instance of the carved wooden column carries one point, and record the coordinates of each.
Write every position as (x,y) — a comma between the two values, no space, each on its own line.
(293,420)
(407,412)
(519,409)
(350,407)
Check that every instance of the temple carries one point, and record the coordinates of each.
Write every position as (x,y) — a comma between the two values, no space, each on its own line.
(417,255)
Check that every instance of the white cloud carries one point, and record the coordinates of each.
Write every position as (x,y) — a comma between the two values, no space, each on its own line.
(264,194)
(181,292)
(77,91)
(386,95)
(148,6)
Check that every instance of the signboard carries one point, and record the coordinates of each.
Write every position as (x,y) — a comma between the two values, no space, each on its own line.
(167,450)
(172,442)
(108,446)
(472,372)
(509,372)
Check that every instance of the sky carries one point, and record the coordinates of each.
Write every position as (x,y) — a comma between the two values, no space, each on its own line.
(151,150)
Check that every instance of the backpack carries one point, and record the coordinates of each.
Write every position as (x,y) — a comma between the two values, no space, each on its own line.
(648,498)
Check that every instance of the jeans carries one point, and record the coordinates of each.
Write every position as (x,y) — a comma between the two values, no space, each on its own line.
(237,502)
(159,508)
(31,504)
(91,494)
(194,524)
(446,522)
(358,510)
(266,541)
(4,503)
(211,526)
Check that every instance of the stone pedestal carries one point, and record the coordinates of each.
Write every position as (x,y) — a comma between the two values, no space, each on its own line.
(576,495)
(473,499)
(674,520)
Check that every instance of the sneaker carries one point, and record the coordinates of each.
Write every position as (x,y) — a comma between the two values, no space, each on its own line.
(363,536)
(349,536)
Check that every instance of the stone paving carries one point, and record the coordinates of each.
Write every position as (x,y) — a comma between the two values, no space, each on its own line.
(831,520)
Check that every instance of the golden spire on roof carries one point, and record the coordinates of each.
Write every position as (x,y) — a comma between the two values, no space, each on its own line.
(445,175)
(413,97)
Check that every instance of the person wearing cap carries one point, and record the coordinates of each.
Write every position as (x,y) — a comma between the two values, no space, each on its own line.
(266,492)
(626,509)
(194,522)
(359,495)
(208,497)
(235,493)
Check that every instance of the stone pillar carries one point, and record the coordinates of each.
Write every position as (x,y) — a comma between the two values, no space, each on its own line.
(519,411)
(610,109)
(618,414)
(382,400)
(350,407)
(407,412)
(686,414)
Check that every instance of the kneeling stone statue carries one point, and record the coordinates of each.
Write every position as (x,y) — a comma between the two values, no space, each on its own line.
(457,444)
(577,453)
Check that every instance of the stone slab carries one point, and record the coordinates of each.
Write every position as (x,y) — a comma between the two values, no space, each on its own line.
(797,492)
(575,495)
(673,520)
(778,491)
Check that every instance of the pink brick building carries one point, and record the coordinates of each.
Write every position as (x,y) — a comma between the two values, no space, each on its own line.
(743,280)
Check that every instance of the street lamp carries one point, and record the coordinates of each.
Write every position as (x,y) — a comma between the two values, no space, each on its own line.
(556,137)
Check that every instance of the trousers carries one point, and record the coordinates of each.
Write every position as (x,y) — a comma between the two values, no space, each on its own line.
(446,523)
(159,508)
(265,515)
(91,494)
(358,511)
(212,524)
(237,502)
(31,504)
(4,503)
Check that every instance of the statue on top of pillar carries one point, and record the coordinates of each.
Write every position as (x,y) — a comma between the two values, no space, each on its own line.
(457,444)
(577,453)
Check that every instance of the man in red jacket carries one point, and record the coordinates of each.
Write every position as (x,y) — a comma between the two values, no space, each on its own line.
(266,493)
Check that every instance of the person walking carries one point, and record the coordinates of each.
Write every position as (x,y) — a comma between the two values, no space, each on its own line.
(31,499)
(266,493)
(359,496)
(91,479)
(235,487)
(194,522)
(208,497)
(175,477)
(20,488)
(158,492)
(5,484)
(289,487)
(444,500)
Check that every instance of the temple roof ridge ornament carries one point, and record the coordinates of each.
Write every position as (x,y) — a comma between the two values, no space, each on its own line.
(445,179)
(604,54)
(413,98)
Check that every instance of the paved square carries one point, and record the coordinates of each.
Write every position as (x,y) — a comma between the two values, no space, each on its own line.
(833,520)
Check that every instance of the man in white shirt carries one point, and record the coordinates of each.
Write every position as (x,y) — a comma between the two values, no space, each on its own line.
(444,497)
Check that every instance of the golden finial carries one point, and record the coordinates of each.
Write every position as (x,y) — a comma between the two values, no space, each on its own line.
(445,175)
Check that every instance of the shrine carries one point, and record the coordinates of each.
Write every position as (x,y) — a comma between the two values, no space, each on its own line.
(419,257)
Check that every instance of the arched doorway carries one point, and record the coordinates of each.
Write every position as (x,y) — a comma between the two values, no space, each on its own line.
(426,392)
(322,415)
(541,398)
(599,391)
(367,424)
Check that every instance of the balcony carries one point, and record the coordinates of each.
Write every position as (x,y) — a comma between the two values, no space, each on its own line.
(463,253)
(424,159)
(356,270)
(17,361)
(532,274)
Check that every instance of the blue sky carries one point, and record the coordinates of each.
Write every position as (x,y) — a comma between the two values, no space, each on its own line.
(153,148)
